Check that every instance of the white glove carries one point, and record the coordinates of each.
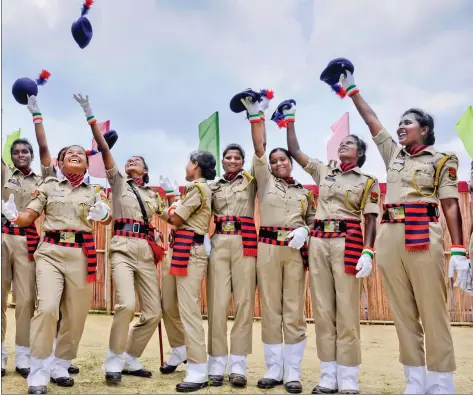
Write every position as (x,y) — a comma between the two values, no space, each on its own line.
(99,211)
(253,109)
(348,82)
(34,109)
(207,244)
(460,265)
(289,113)
(298,237)
(9,209)
(84,102)
(364,266)
(264,104)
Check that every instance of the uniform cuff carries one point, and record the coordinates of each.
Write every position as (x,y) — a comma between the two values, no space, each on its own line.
(112,172)
(183,212)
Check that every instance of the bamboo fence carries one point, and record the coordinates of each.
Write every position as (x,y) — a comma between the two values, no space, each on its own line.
(374,305)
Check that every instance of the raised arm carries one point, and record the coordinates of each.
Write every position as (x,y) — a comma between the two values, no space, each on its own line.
(292,142)
(107,157)
(253,109)
(44,154)
(364,109)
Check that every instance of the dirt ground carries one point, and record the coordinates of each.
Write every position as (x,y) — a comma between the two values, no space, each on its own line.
(380,373)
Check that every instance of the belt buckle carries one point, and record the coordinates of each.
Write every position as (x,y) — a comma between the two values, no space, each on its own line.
(228,226)
(282,235)
(136,228)
(67,237)
(396,213)
(331,226)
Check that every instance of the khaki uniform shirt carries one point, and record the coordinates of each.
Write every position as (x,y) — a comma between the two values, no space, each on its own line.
(124,201)
(235,197)
(282,205)
(340,193)
(410,178)
(195,207)
(65,207)
(21,186)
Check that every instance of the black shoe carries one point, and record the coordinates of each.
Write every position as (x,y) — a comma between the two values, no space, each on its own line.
(168,369)
(113,377)
(63,381)
(137,373)
(73,369)
(215,381)
(267,384)
(237,380)
(24,372)
(38,389)
(3,372)
(190,387)
(293,387)
(322,390)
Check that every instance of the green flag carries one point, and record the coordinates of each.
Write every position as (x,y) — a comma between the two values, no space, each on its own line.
(209,138)
(465,130)
(6,149)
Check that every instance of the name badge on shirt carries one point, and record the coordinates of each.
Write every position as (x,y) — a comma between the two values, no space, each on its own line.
(332,179)
(14,181)
(400,161)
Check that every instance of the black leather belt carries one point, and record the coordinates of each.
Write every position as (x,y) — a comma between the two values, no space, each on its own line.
(135,228)
(65,237)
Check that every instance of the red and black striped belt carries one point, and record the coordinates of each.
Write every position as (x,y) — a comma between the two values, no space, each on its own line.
(32,237)
(76,239)
(196,239)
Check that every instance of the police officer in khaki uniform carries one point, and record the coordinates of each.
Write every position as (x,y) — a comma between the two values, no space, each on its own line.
(66,264)
(410,243)
(184,268)
(18,245)
(133,259)
(338,256)
(286,208)
(232,268)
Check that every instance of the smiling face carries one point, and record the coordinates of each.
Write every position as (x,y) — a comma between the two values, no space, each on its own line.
(348,150)
(410,132)
(280,164)
(75,160)
(135,167)
(21,156)
(232,161)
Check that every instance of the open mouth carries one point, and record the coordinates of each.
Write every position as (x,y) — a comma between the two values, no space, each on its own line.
(74,160)
(343,150)
(402,135)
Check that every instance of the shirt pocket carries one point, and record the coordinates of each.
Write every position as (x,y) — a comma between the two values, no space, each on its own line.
(12,186)
(151,204)
(299,204)
(56,204)
(276,198)
(394,172)
(219,200)
(129,200)
(82,205)
(423,176)
(353,195)
(240,192)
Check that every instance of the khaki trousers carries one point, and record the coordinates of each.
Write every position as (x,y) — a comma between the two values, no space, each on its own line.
(17,268)
(336,303)
(416,291)
(134,272)
(281,287)
(230,272)
(181,301)
(61,277)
